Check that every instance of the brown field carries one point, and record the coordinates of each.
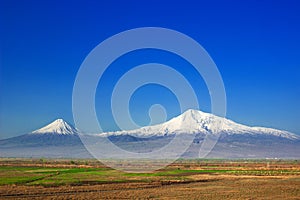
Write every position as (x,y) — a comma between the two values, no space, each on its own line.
(185,179)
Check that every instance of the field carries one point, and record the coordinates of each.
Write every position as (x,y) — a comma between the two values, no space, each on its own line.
(184,179)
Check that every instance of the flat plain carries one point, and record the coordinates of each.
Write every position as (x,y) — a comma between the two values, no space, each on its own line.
(184,179)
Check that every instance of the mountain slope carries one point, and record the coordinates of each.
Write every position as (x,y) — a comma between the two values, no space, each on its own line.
(59,139)
(56,133)
(58,126)
(197,122)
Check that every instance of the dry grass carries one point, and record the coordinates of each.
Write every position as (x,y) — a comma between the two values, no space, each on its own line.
(182,180)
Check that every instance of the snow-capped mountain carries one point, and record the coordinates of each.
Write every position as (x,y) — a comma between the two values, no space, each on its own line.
(59,139)
(198,122)
(58,126)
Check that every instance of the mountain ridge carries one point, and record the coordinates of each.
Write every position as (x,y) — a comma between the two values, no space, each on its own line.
(59,139)
(196,121)
(190,122)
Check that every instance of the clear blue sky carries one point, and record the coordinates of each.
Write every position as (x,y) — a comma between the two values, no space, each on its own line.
(255,44)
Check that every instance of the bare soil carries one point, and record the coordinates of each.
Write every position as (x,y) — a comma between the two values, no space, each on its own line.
(192,186)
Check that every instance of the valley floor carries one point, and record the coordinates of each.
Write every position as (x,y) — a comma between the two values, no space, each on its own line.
(185,179)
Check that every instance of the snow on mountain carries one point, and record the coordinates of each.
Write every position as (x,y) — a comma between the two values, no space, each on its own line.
(190,122)
(58,126)
(198,122)
(59,139)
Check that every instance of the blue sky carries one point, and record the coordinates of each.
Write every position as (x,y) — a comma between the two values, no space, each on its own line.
(255,45)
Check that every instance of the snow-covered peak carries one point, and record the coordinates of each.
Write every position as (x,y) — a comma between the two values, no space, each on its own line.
(59,126)
(196,121)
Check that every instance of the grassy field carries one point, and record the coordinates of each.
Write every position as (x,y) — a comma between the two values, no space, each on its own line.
(211,179)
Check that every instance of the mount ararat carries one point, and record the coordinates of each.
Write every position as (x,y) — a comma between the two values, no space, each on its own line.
(61,140)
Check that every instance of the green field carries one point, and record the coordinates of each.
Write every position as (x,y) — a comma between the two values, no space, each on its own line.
(62,172)
(184,179)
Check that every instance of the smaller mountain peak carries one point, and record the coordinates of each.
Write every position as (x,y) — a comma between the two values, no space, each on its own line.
(58,126)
